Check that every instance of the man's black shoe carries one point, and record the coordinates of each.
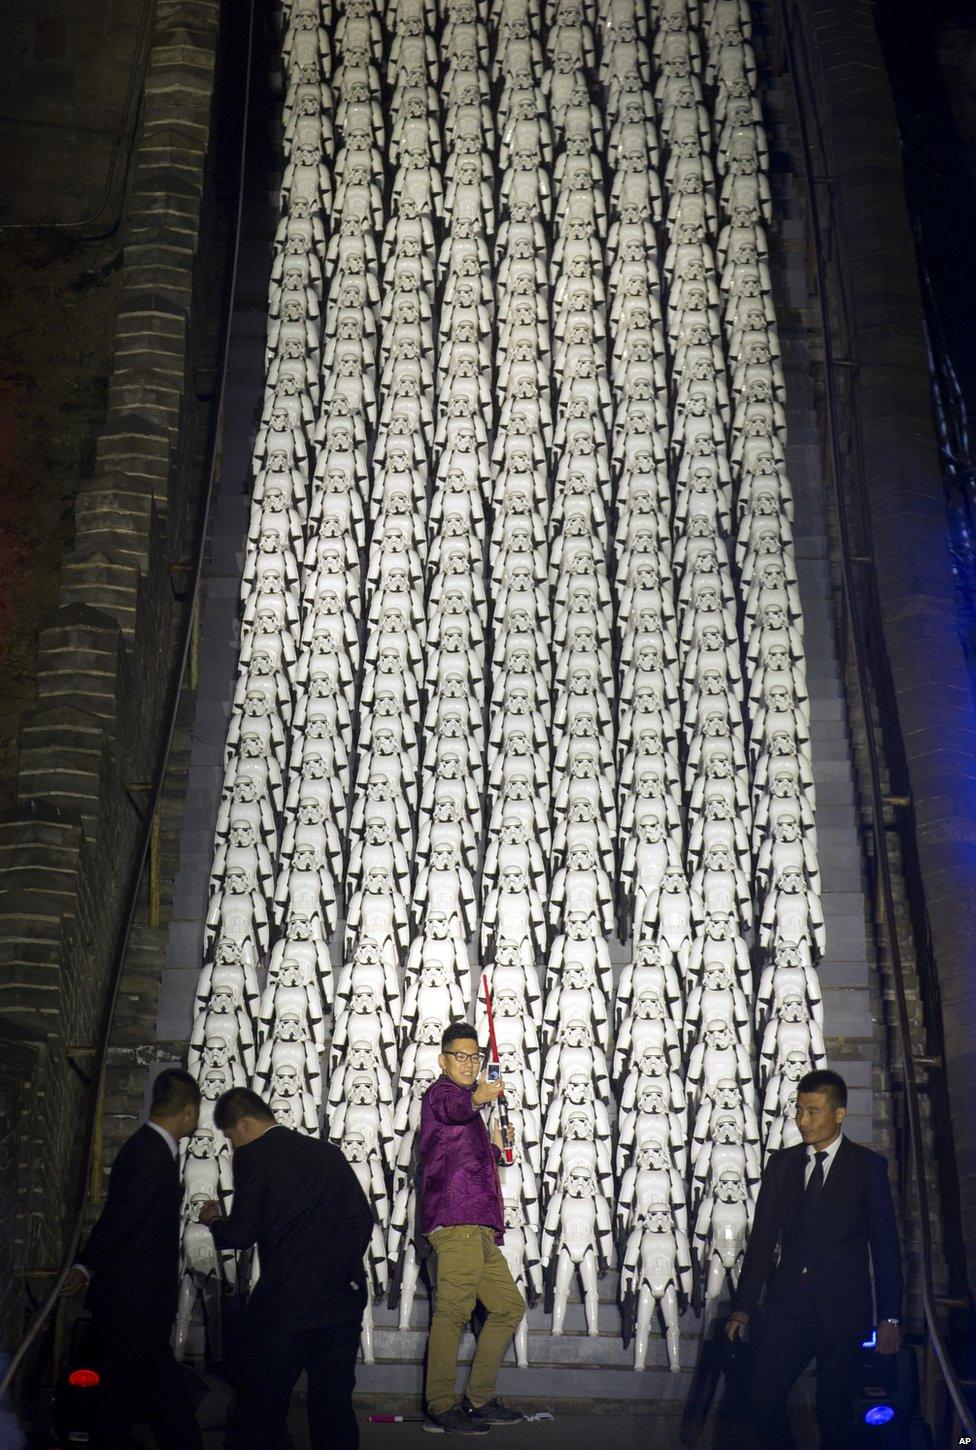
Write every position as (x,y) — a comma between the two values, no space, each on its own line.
(493,1412)
(454,1421)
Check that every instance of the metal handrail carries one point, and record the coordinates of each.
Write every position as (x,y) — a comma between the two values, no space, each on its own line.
(46,1310)
(852,608)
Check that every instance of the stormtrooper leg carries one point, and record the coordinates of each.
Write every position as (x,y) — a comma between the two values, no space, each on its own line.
(184,1312)
(408,1286)
(564,1277)
(591,1293)
(642,1330)
(669,1311)
(522,1345)
(366,1337)
(713,1289)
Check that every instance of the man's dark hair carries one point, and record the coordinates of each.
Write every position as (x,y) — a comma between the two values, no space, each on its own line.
(457,1032)
(173,1090)
(239,1103)
(822,1080)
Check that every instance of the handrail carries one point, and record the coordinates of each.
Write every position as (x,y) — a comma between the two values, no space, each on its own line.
(98,1076)
(916,1157)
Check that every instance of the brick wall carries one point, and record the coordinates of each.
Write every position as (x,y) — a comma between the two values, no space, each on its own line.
(106,654)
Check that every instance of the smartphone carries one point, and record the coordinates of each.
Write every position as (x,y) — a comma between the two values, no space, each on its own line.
(494,1071)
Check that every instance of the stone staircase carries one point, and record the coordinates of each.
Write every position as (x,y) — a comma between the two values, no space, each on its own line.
(164,963)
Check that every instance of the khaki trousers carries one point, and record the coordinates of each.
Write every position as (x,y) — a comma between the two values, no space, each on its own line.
(470,1266)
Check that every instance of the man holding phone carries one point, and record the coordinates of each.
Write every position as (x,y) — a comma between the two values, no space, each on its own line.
(462,1215)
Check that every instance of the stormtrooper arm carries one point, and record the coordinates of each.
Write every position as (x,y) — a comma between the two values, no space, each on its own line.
(686,1277)
(533,1261)
(550,1228)
(604,1230)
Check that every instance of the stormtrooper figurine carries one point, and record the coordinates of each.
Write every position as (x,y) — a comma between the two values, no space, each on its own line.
(432,993)
(361,1059)
(651,969)
(524,1259)
(379,912)
(655,1271)
(716,1057)
(651,1178)
(576,1237)
(576,995)
(440,946)
(726,1148)
(200,1274)
(580,945)
(575,1050)
(368,968)
(780,1091)
(717,995)
(582,886)
(365,1020)
(292,1040)
(651,1117)
(648,1026)
(791,1030)
(362,1113)
(721,1229)
(402,1253)
(787,975)
(513,911)
(366,1166)
(577,1095)
(511,972)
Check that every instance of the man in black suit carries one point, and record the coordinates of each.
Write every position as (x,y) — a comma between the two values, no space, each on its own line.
(827,1203)
(299,1200)
(131,1266)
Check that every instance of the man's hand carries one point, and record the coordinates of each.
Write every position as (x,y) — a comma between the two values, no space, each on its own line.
(209,1212)
(737,1325)
(487,1092)
(889,1338)
(74,1283)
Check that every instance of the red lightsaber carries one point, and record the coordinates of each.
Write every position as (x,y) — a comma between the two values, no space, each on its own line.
(499,1101)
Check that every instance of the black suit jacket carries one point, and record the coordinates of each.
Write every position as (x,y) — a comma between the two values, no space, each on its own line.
(132,1252)
(298,1199)
(854,1218)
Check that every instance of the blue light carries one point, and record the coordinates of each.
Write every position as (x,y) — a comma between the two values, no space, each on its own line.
(872,1342)
(879,1415)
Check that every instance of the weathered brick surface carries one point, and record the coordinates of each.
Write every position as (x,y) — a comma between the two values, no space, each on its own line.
(106,656)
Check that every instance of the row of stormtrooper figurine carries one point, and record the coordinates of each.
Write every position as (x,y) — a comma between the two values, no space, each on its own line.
(518,495)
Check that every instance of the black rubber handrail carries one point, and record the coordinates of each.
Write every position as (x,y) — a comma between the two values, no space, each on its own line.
(46,1310)
(916,1157)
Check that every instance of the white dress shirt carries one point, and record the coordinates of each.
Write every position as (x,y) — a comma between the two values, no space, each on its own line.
(831,1152)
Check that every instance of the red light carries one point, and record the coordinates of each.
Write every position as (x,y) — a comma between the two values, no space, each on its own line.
(84,1379)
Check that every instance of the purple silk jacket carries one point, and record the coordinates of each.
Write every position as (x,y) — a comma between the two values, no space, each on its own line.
(459,1182)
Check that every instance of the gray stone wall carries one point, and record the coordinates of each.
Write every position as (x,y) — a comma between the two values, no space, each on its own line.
(894,473)
(66,68)
(106,654)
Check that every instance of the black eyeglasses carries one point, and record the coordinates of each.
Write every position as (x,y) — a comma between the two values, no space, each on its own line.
(462,1057)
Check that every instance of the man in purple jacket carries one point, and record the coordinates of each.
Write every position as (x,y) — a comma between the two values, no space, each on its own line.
(462,1215)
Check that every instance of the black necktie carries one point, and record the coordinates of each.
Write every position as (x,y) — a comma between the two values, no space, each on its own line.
(815,1182)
